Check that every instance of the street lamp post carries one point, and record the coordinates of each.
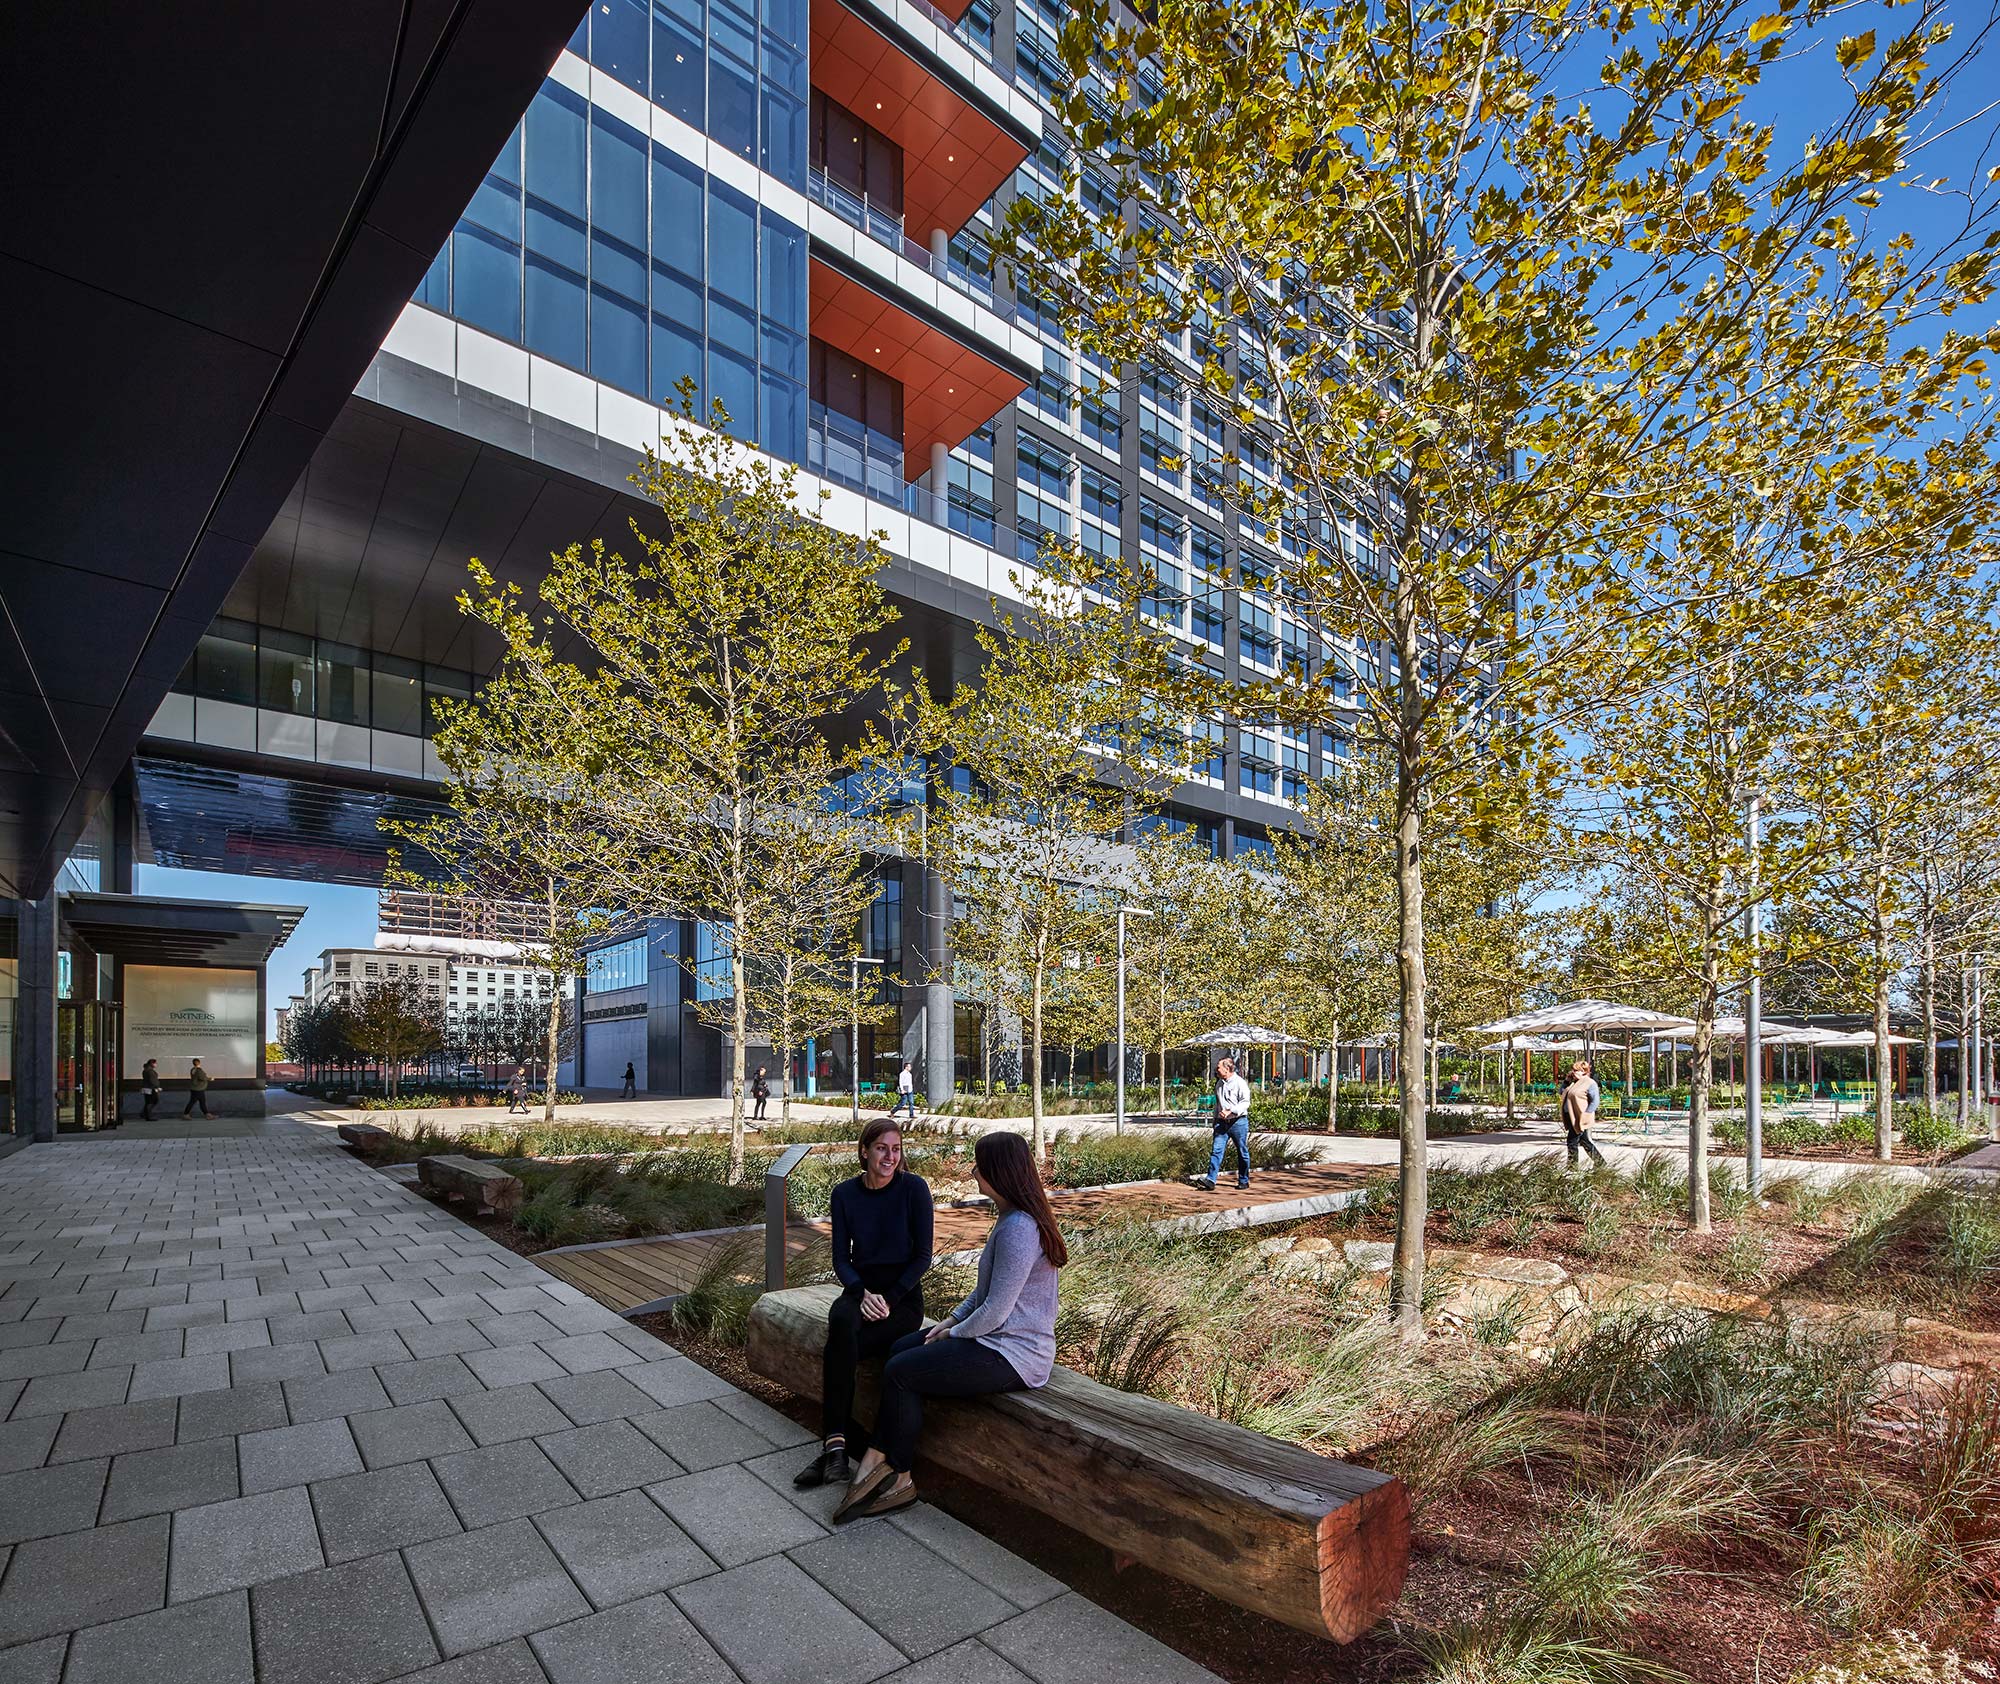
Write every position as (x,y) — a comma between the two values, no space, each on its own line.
(854,963)
(1118,1074)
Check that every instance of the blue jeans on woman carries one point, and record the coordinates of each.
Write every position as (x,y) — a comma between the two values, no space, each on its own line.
(1238,1130)
(945,1367)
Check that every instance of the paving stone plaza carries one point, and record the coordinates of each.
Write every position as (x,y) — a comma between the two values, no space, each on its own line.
(266,1415)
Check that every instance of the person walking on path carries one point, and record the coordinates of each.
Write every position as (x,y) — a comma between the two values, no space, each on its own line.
(906,1092)
(1232,1122)
(760,1091)
(197,1090)
(1579,1112)
(631,1090)
(149,1089)
(1001,1339)
(882,1223)
(517,1094)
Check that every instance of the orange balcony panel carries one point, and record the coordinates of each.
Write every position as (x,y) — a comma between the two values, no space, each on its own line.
(949,389)
(955,157)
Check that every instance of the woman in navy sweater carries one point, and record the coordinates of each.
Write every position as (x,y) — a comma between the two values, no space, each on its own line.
(881,1250)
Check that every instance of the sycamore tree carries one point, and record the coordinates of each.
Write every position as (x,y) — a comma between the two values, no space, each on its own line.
(1898,739)
(1332,919)
(1067,737)
(1181,961)
(524,826)
(394,1022)
(1440,267)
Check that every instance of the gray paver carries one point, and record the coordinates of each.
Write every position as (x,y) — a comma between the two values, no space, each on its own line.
(178,1476)
(970,1662)
(26,1444)
(33,1663)
(621,1547)
(775,1626)
(444,1339)
(84,1579)
(26,1361)
(589,1398)
(611,1456)
(734,1515)
(434,1377)
(1001,1569)
(501,1482)
(206,1642)
(673,1380)
(252,1363)
(57,1394)
(159,1346)
(241,1409)
(386,1509)
(760,1417)
(510,1412)
(911,1595)
(40,1502)
(586,1353)
(507,1663)
(297,1455)
(517,1327)
(320,1397)
(490,1585)
(226,1545)
(513,1365)
(699,1435)
(363,1350)
(645,1639)
(227,1336)
(357,1623)
(1071,1641)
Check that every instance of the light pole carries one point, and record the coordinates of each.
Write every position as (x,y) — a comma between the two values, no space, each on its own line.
(1118,1074)
(1753,1051)
(854,963)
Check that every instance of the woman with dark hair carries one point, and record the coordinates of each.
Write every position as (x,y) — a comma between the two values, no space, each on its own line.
(1001,1339)
(881,1250)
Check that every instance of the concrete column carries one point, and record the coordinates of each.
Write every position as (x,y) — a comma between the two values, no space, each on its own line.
(35,1020)
(940,1015)
(940,248)
(940,483)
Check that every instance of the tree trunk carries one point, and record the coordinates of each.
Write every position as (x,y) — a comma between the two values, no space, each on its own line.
(1930,1018)
(555,1026)
(1406,1280)
(739,1019)
(986,1048)
(1037,1130)
(1509,1055)
(1700,1076)
(1964,1059)
(1884,1114)
(1333,1083)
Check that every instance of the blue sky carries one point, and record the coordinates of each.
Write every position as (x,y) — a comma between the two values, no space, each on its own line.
(336,916)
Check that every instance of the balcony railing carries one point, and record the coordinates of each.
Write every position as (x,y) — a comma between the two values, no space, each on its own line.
(885,229)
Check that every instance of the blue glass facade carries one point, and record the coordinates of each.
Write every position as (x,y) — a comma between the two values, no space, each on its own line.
(598,248)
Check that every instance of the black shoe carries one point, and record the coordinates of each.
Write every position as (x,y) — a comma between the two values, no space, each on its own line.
(829,1467)
(1243,1186)
(1207,1184)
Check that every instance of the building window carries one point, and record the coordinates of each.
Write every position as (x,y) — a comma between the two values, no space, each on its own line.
(712,978)
(855,433)
(611,968)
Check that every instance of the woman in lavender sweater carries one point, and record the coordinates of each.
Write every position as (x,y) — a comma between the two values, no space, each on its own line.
(1001,1339)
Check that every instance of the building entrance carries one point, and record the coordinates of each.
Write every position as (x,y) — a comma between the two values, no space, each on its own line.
(87,1065)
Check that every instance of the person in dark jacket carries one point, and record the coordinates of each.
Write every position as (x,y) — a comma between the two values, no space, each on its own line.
(149,1089)
(197,1090)
(881,1251)
(760,1091)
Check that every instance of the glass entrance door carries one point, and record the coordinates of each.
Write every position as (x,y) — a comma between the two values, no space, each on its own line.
(86,1065)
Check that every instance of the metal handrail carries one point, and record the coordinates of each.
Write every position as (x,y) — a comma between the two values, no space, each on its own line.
(775,1179)
(854,209)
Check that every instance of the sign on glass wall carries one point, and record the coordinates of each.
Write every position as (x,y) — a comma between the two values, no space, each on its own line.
(178,1015)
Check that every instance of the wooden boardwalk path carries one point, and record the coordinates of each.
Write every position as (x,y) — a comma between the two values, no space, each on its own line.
(636,1277)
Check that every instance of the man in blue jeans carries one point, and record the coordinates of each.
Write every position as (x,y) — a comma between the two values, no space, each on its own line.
(1232,1122)
(906,1093)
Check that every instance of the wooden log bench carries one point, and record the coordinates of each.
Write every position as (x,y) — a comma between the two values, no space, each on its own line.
(363,1136)
(467,1178)
(1319,1544)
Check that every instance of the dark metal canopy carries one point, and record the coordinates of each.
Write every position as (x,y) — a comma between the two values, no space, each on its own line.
(213,218)
(161,930)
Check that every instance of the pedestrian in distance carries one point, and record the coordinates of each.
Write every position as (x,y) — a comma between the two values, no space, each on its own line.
(197,1090)
(517,1094)
(1232,1123)
(149,1089)
(1001,1339)
(882,1224)
(1580,1100)
(631,1090)
(906,1092)
(760,1091)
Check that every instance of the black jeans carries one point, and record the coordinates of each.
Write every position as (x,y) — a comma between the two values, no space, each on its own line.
(151,1099)
(762,1099)
(946,1367)
(1581,1137)
(195,1099)
(852,1339)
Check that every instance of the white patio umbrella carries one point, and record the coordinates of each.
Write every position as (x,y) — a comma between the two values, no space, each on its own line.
(1589,1018)
(1239,1035)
